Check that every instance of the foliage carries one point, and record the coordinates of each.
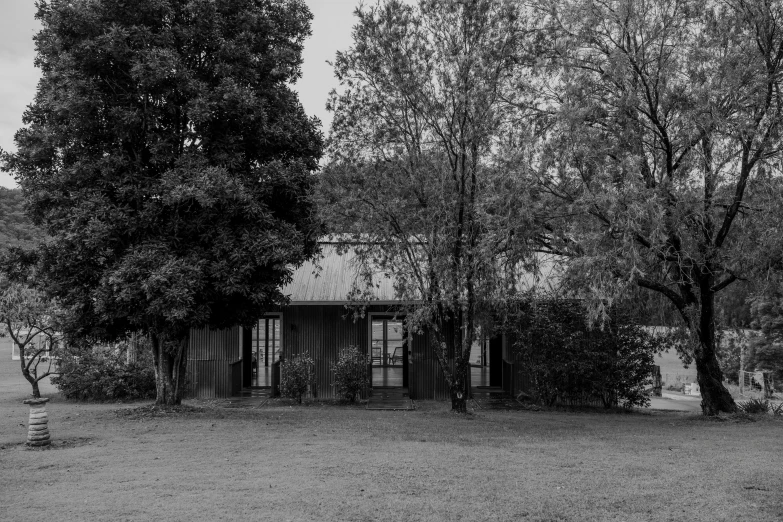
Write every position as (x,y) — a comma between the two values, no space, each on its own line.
(31,320)
(735,349)
(16,229)
(666,119)
(569,362)
(170,161)
(99,373)
(426,91)
(296,375)
(754,406)
(350,373)
(766,352)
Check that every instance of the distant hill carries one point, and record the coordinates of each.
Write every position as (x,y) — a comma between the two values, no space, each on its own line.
(16,229)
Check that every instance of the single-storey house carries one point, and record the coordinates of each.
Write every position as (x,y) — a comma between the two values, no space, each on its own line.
(317,321)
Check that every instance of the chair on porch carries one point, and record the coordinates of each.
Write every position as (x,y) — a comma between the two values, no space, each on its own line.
(395,358)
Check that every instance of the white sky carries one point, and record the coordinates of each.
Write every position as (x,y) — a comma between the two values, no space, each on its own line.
(332,22)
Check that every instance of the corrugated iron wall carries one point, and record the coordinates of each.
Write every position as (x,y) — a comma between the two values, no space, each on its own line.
(323,330)
(425,378)
(210,355)
(318,330)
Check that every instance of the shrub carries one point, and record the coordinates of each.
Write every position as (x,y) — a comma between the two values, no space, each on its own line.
(754,406)
(350,373)
(106,374)
(570,363)
(776,409)
(296,374)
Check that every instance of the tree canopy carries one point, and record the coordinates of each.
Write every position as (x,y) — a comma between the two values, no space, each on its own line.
(427,92)
(171,162)
(638,140)
(661,161)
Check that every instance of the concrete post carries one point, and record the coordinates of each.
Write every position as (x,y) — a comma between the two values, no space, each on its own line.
(38,426)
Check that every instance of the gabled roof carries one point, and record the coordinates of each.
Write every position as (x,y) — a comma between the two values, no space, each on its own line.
(330,279)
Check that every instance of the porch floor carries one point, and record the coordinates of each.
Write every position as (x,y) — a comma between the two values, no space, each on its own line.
(479,376)
(393,398)
(262,378)
(391,376)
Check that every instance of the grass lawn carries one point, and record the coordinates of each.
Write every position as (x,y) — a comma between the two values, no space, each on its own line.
(324,462)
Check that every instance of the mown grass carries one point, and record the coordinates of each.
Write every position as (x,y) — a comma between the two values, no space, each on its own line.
(320,462)
(328,462)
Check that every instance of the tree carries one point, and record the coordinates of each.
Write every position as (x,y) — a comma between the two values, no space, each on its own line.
(412,179)
(569,362)
(663,153)
(766,351)
(170,162)
(30,319)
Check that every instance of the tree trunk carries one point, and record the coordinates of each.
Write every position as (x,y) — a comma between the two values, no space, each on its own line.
(27,375)
(460,391)
(459,401)
(170,359)
(715,397)
(453,358)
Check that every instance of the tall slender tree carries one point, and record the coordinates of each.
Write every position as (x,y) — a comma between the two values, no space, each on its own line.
(171,163)
(427,91)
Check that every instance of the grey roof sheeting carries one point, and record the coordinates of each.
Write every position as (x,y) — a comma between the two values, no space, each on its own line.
(330,278)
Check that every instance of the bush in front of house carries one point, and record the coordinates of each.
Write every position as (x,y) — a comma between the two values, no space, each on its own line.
(296,374)
(106,373)
(350,373)
(571,363)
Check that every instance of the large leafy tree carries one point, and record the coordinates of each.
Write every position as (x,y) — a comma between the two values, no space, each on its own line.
(170,161)
(663,153)
(427,91)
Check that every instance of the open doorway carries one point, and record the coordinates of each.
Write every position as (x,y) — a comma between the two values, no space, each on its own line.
(265,348)
(486,362)
(388,352)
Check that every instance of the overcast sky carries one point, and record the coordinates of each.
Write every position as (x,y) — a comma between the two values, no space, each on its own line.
(332,22)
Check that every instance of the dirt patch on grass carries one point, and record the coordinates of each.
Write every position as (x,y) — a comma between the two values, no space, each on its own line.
(155,411)
(54,445)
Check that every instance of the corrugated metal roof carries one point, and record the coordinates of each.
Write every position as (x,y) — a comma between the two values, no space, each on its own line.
(332,277)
